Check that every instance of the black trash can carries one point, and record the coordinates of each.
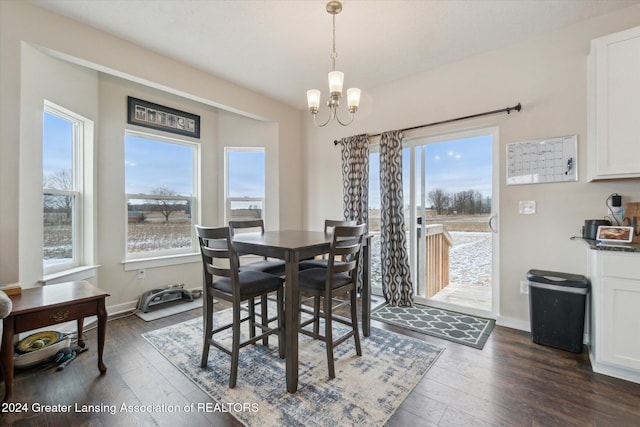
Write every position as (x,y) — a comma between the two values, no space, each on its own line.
(557,307)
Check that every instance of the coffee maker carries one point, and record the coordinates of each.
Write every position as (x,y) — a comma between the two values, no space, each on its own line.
(590,229)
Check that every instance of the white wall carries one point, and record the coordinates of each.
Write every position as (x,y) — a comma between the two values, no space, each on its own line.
(105,70)
(70,86)
(237,131)
(548,76)
(124,286)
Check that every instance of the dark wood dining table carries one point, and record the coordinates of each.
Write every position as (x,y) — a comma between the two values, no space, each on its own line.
(293,246)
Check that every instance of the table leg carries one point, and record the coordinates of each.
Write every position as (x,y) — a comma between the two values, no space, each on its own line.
(6,357)
(80,332)
(366,288)
(102,330)
(291,320)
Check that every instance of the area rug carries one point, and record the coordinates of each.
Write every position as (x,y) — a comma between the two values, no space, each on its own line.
(366,391)
(457,327)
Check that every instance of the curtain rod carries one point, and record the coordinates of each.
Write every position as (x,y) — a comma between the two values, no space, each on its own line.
(507,110)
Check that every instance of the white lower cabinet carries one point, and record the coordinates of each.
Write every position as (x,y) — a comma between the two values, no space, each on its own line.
(614,347)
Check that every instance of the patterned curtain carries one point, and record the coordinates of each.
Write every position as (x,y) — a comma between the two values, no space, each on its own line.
(355,183)
(355,177)
(396,279)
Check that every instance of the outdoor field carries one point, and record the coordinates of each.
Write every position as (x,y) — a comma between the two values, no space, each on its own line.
(470,255)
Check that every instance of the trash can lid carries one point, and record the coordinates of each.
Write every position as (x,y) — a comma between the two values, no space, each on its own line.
(558,278)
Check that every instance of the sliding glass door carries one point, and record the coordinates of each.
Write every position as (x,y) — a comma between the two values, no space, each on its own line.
(450,196)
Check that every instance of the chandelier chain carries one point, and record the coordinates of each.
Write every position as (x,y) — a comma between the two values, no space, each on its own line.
(334,54)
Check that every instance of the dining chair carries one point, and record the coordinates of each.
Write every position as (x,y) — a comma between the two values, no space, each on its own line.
(266,265)
(339,278)
(236,286)
(329,226)
(275,267)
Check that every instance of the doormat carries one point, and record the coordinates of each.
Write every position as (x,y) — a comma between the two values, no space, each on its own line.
(460,328)
(366,391)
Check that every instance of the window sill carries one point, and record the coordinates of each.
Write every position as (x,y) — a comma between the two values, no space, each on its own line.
(162,261)
(79,273)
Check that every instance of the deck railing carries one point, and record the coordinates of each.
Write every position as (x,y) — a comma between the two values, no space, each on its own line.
(435,275)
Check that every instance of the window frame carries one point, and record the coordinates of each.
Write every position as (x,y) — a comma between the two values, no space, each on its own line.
(227,199)
(80,138)
(134,260)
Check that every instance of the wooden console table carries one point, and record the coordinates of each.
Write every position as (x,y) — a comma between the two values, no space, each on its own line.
(49,305)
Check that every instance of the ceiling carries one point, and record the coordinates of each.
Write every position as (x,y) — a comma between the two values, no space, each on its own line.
(281,48)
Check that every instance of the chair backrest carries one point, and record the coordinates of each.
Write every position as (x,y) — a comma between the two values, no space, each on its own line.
(330,224)
(346,245)
(248,225)
(219,257)
(252,225)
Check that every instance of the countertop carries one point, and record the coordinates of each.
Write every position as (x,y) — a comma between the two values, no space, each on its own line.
(631,247)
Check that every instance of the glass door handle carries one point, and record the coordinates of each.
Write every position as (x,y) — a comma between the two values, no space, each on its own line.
(492,226)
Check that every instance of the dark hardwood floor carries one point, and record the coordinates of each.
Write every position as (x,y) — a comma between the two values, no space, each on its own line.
(511,382)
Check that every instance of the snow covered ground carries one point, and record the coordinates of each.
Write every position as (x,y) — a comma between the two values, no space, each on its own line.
(469,259)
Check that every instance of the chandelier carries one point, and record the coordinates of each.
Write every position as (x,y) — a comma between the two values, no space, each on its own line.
(336,79)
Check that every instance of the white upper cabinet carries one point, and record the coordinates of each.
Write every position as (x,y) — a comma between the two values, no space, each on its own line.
(614,106)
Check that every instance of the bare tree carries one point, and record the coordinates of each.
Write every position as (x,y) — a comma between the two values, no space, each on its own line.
(439,199)
(467,202)
(166,206)
(59,180)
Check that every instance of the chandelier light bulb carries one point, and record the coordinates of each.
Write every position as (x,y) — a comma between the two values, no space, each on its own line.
(336,79)
(353,99)
(313,99)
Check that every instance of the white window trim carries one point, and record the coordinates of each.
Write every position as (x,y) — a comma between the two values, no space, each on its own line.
(84,209)
(134,261)
(161,261)
(227,199)
(79,273)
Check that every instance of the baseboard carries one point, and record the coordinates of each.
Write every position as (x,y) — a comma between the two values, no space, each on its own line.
(524,325)
(124,308)
(513,323)
(613,371)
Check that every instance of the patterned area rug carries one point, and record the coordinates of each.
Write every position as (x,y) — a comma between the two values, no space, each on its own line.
(366,391)
(449,325)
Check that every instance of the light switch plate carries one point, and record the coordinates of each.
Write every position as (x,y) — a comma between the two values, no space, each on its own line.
(527,207)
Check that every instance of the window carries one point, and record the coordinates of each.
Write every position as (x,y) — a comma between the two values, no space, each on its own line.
(245,189)
(161,182)
(374,218)
(63,138)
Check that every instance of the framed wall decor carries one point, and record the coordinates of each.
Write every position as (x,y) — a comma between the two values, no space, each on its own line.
(148,114)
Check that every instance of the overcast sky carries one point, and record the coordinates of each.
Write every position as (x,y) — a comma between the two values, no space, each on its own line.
(151,164)
(453,166)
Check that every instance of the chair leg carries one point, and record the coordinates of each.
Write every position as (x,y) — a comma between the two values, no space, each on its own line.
(328,334)
(354,321)
(281,334)
(265,316)
(251,304)
(207,329)
(235,345)
(316,314)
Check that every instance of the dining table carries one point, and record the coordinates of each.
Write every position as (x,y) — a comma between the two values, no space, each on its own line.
(292,246)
